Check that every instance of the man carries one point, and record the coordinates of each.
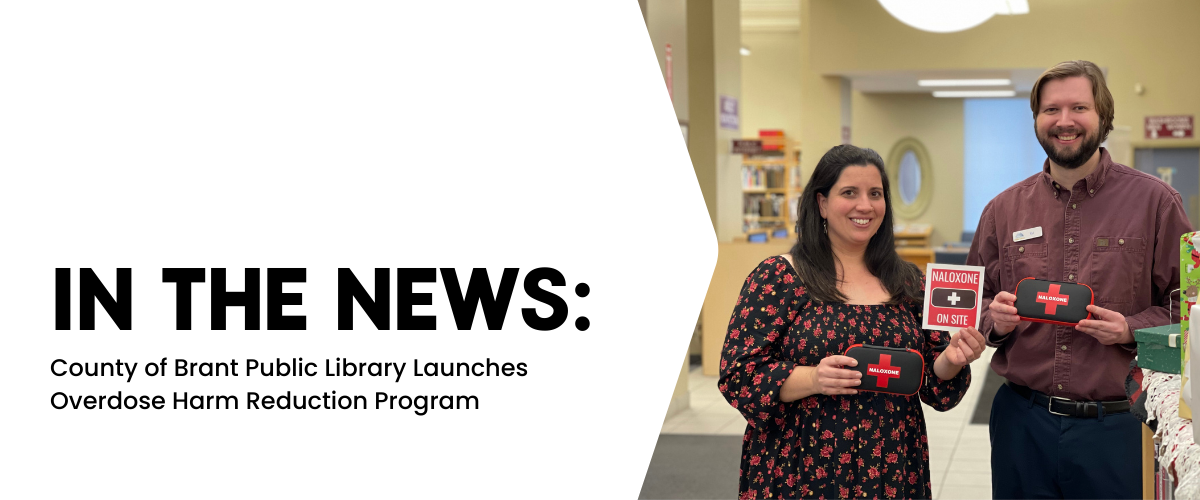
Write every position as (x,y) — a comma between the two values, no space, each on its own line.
(1061,427)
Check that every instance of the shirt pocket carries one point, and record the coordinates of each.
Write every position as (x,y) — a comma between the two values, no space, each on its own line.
(1024,260)
(1115,269)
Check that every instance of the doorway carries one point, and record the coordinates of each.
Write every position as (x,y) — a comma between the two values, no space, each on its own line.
(1179,167)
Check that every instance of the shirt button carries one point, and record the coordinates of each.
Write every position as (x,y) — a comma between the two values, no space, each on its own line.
(1064,348)
(1073,206)
(1056,186)
(1092,191)
(1121,241)
(1070,276)
(1021,249)
(1060,387)
(1070,240)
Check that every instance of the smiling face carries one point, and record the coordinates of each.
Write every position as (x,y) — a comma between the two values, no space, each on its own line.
(855,206)
(1067,124)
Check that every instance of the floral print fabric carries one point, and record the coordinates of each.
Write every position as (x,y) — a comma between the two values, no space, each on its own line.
(868,445)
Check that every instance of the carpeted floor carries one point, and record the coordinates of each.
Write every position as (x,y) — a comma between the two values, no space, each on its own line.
(693,467)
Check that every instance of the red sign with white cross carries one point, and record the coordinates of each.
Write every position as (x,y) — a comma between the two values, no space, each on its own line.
(952,297)
(883,371)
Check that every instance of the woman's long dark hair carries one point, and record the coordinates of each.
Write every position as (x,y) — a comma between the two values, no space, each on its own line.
(813,254)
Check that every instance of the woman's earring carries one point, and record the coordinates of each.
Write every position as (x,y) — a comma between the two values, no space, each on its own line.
(824,226)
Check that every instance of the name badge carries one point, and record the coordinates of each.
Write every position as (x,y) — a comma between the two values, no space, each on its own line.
(1027,234)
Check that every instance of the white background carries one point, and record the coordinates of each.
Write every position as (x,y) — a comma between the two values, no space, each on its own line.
(325,135)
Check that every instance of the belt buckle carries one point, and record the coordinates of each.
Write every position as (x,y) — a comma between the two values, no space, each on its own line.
(1050,406)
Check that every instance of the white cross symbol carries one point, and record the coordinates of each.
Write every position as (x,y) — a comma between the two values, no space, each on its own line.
(954,298)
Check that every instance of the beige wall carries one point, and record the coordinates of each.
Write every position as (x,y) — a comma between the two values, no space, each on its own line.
(771,83)
(880,120)
(1152,42)
(666,20)
(714,37)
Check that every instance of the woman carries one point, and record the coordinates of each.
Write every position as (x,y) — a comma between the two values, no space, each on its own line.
(810,434)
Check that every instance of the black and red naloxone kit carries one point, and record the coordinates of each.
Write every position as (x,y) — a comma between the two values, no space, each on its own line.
(1053,301)
(888,369)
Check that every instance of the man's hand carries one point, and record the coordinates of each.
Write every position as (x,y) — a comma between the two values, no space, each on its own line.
(1004,313)
(1109,327)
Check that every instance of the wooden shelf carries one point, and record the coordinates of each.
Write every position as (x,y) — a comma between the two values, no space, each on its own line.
(775,168)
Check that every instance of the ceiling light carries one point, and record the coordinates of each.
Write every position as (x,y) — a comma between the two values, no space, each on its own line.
(745,51)
(983,82)
(974,93)
(948,16)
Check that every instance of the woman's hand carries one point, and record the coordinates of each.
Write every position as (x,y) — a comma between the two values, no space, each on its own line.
(832,380)
(965,346)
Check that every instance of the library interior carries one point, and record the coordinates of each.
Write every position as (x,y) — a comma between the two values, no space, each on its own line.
(941,91)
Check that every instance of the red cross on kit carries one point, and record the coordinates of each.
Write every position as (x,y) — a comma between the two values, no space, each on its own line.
(888,369)
(883,371)
(952,297)
(1053,302)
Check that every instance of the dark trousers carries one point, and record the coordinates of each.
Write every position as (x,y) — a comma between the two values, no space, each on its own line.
(1036,454)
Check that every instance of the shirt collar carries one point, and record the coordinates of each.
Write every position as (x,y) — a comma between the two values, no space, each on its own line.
(1094,181)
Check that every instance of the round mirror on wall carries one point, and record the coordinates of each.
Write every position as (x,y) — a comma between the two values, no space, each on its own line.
(911,177)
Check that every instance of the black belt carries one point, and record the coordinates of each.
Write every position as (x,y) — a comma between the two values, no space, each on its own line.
(1069,408)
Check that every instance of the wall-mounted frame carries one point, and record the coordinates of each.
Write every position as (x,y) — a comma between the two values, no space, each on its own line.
(909,168)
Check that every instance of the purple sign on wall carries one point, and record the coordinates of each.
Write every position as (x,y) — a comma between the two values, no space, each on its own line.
(729,112)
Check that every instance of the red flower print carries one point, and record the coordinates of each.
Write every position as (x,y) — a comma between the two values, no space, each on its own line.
(841,447)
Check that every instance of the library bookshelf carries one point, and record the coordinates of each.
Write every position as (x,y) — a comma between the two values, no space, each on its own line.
(771,182)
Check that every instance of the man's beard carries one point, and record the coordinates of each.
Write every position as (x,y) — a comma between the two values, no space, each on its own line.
(1068,160)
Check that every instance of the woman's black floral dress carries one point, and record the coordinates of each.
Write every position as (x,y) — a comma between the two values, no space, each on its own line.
(868,445)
